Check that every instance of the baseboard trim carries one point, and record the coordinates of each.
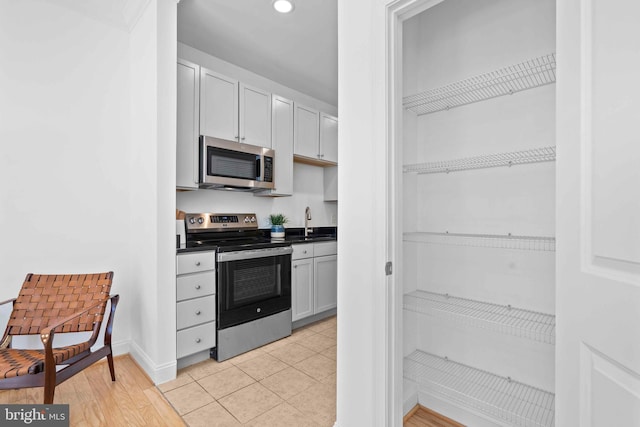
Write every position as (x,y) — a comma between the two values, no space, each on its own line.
(308,320)
(121,347)
(157,373)
(410,413)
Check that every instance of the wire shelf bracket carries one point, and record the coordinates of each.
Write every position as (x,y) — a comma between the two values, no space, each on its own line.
(526,75)
(503,319)
(500,398)
(534,155)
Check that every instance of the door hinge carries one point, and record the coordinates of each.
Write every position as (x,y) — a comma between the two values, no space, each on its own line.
(388,268)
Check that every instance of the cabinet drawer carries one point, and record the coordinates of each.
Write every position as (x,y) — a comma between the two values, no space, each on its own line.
(193,340)
(302,251)
(195,285)
(325,248)
(195,311)
(195,262)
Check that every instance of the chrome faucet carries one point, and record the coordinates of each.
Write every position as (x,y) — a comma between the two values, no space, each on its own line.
(307,218)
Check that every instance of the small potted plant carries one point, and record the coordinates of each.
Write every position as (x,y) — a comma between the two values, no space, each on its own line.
(277,225)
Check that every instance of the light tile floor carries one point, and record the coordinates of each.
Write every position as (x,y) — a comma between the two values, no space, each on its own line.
(291,382)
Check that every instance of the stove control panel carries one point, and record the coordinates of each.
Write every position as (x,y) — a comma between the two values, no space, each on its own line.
(211,222)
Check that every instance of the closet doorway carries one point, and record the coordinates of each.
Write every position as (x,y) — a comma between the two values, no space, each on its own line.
(476,121)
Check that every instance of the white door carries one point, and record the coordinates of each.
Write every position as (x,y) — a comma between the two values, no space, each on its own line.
(218,105)
(328,138)
(598,214)
(301,288)
(255,116)
(306,131)
(325,270)
(188,100)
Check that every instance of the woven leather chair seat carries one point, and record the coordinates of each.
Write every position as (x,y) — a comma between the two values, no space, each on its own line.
(14,363)
(49,305)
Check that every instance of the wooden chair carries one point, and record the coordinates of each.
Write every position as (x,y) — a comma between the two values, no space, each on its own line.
(49,305)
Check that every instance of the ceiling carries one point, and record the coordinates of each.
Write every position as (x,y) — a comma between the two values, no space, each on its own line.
(298,50)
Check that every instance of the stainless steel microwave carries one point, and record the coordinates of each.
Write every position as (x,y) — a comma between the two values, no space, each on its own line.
(235,166)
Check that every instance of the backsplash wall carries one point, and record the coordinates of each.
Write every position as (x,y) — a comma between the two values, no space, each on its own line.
(308,189)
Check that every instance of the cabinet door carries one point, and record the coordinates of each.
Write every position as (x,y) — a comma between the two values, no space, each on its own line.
(218,105)
(301,288)
(325,283)
(328,138)
(255,116)
(330,183)
(282,142)
(306,132)
(187,133)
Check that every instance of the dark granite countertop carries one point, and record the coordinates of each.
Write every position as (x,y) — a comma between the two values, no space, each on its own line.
(294,235)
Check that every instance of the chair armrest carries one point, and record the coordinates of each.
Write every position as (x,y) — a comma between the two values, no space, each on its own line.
(7,301)
(48,332)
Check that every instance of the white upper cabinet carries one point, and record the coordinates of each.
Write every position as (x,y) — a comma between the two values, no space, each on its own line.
(328,138)
(188,99)
(255,116)
(218,105)
(282,143)
(233,111)
(306,132)
(316,136)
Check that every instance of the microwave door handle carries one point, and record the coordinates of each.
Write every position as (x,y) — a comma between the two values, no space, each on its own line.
(258,169)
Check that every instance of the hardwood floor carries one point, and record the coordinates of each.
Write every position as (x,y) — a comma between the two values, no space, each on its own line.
(94,400)
(423,417)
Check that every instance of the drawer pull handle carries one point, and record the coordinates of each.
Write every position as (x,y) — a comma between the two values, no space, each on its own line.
(304,252)
(197,286)
(198,340)
(198,313)
(197,263)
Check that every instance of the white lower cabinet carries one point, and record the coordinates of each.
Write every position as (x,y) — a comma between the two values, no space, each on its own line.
(301,288)
(195,303)
(325,274)
(314,279)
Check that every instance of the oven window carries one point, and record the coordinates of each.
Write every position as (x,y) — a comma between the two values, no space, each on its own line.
(249,289)
(255,280)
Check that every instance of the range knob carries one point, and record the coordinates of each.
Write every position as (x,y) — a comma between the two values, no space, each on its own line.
(192,220)
(246,219)
(200,220)
(253,219)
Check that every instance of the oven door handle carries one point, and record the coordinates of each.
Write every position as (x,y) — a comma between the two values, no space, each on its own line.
(251,254)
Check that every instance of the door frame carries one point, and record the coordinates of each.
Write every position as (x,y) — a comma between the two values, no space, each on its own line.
(397,11)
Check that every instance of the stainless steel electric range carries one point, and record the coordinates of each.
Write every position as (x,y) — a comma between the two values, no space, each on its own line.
(253,280)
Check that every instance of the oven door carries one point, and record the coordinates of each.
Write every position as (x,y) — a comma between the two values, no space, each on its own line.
(253,284)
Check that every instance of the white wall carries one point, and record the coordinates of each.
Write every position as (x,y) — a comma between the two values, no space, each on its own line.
(308,189)
(152,194)
(65,149)
(308,186)
(87,161)
(362,286)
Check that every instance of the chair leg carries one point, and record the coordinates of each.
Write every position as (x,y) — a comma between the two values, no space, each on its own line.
(49,390)
(111,368)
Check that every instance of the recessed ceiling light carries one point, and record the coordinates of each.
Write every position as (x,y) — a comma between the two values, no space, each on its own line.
(283,6)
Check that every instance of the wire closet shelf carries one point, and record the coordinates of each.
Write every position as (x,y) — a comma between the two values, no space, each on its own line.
(534,155)
(501,398)
(503,319)
(529,74)
(497,241)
